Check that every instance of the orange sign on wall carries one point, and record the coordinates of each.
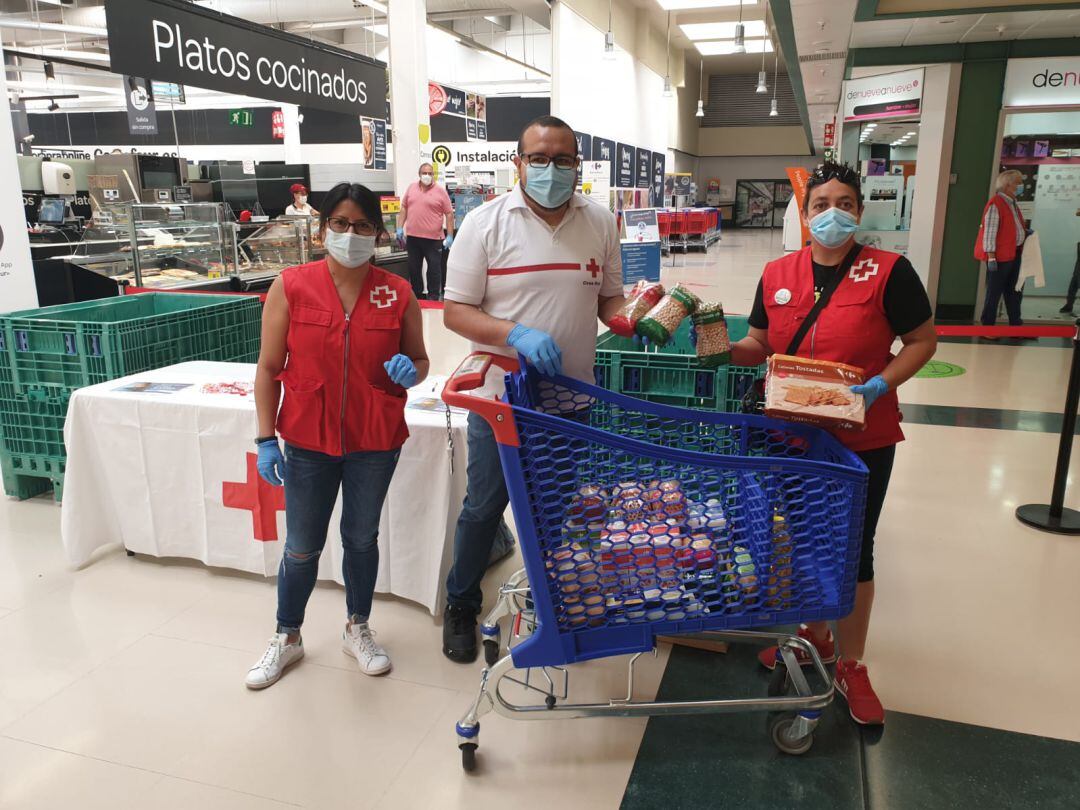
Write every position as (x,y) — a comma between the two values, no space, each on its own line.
(799,177)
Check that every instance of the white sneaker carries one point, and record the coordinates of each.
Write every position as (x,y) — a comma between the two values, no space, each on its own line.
(277,657)
(358,640)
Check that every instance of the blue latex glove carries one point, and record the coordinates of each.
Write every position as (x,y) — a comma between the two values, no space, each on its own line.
(401,370)
(991,265)
(401,235)
(448,241)
(271,463)
(538,347)
(871,390)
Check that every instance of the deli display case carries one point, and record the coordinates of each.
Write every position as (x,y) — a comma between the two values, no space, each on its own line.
(264,249)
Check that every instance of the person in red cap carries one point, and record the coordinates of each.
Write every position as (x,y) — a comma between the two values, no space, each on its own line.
(300,207)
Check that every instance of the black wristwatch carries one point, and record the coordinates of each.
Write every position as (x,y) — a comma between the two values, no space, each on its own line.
(265,439)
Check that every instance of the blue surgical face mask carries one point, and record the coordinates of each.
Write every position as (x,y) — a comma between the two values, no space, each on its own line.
(550,186)
(833,227)
(1019,190)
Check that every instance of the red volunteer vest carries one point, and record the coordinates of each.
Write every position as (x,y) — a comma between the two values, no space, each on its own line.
(338,397)
(1005,248)
(852,329)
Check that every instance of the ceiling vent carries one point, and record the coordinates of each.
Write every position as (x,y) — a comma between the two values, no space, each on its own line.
(823,57)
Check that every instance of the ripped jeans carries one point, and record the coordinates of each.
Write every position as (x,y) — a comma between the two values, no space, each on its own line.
(312,481)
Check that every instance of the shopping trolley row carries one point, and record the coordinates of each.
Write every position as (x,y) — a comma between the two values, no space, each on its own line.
(689,228)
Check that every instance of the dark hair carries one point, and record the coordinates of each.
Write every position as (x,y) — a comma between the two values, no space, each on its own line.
(834,171)
(364,197)
(549,121)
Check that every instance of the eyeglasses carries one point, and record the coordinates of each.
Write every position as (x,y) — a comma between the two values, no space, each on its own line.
(537,160)
(361,228)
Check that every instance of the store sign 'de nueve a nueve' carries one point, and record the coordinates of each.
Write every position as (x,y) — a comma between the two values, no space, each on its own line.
(1042,82)
(884,96)
(166,40)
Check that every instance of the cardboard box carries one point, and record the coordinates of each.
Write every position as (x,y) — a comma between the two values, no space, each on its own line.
(815,392)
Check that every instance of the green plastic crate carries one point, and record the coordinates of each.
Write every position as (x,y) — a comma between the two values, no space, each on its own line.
(671,375)
(46,354)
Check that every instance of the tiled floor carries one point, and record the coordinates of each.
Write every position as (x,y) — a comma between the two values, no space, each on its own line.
(121,683)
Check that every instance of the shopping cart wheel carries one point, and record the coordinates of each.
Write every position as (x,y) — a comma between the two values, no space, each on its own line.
(780,730)
(549,701)
(491,651)
(468,756)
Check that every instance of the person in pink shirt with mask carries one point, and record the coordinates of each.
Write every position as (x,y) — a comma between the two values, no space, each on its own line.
(425,213)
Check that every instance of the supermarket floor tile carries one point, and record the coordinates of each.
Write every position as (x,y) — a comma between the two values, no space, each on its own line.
(692,761)
(63,635)
(33,777)
(322,736)
(990,418)
(534,763)
(922,762)
(912,762)
(240,616)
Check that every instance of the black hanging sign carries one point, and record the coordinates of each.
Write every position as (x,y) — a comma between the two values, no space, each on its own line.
(643,168)
(624,170)
(179,42)
(603,149)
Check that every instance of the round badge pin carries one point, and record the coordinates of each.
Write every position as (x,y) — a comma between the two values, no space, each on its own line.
(783,296)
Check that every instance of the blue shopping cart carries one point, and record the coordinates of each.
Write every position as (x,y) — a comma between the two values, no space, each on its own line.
(638,520)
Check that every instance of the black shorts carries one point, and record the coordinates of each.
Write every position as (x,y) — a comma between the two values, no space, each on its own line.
(879,462)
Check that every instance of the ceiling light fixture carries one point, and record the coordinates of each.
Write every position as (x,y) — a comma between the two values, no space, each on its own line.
(762,87)
(740,33)
(53,106)
(50,72)
(726,47)
(609,37)
(722,30)
(773,110)
(701,90)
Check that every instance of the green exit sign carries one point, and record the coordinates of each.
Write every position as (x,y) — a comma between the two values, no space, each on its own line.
(241,118)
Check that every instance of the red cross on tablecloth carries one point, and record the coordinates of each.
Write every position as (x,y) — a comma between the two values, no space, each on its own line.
(593,268)
(262,499)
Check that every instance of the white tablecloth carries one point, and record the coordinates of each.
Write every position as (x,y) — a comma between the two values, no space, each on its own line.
(152,470)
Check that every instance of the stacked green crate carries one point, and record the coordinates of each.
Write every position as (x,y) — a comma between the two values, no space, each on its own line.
(45,354)
(671,374)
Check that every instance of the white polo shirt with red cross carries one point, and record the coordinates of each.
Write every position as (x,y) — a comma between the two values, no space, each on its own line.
(513,265)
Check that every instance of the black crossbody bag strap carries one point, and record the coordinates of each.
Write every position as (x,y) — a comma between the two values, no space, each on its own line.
(823,300)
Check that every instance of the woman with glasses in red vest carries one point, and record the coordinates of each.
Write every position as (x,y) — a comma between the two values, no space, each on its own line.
(876,296)
(345,339)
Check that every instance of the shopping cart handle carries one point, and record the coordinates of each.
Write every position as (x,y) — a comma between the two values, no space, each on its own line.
(469,376)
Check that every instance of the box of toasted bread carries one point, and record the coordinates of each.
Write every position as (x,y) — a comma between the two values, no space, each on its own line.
(816,392)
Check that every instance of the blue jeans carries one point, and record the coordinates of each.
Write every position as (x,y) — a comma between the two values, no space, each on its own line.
(312,481)
(1002,284)
(481,518)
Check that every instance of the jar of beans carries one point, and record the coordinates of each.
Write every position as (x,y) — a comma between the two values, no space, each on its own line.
(713,343)
(662,320)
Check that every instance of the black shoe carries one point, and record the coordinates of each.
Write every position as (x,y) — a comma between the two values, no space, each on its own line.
(1068,308)
(459,634)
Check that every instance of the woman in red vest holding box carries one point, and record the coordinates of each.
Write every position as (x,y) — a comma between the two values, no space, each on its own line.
(876,296)
(345,339)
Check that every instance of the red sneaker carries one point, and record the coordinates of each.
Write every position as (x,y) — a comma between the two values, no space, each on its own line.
(853,682)
(826,649)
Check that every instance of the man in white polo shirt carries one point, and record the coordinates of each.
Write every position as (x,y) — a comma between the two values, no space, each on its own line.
(529,273)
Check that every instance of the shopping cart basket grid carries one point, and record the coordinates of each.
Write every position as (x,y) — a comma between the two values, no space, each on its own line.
(638,519)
